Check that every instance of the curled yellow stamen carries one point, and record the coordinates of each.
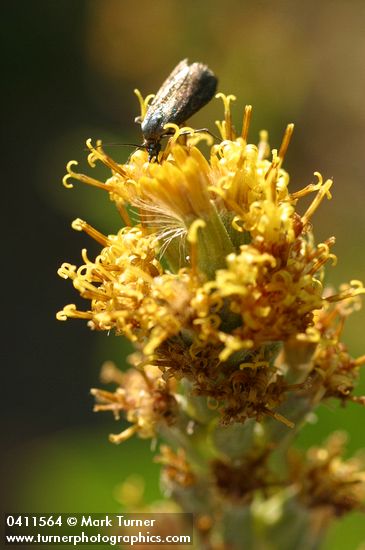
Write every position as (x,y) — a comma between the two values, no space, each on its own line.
(81,225)
(356,289)
(285,143)
(271,176)
(237,224)
(247,114)
(97,153)
(323,191)
(67,271)
(124,435)
(81,177)
(321,261)
(225,127)
(71,311)
(178,132)
(143,102)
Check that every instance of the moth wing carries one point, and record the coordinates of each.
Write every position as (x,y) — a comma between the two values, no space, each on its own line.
(171,82)
(191,93)
(186,90)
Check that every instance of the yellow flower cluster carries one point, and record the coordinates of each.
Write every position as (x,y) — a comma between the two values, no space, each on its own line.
(219,270)
(145,398)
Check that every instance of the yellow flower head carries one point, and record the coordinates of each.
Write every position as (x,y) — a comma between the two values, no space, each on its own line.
(218,266)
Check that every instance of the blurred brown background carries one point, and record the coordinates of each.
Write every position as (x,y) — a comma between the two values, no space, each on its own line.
(69,70)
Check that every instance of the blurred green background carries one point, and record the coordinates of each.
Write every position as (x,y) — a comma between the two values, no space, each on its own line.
(69,70)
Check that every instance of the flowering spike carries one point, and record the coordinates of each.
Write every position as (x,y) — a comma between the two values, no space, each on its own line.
(220,285)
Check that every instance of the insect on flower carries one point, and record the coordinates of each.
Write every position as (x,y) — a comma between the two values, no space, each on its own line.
(184,92)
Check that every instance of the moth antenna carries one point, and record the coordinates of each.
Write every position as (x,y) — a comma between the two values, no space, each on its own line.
(139,146)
